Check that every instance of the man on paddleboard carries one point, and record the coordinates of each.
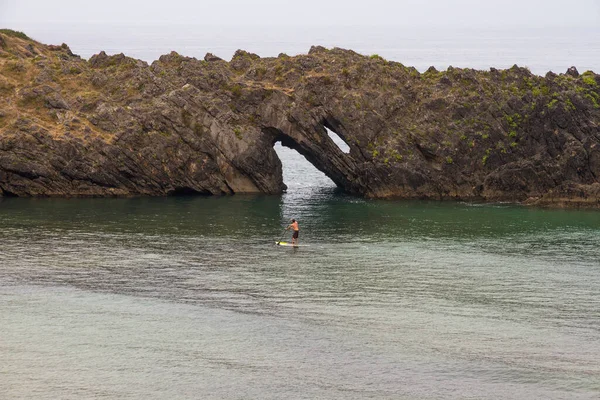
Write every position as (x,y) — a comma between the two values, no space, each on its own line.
(296,229)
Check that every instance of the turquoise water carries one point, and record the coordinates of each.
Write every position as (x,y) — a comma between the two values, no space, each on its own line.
(189,298)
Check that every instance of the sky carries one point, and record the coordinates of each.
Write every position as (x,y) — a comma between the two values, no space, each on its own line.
(421,33)
(420,13)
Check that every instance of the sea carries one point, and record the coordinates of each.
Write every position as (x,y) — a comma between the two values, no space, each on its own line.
(191,298)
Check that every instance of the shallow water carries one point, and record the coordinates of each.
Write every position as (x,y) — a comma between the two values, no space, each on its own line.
(190,298)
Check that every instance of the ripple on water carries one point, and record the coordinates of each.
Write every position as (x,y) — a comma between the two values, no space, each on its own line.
(115,297)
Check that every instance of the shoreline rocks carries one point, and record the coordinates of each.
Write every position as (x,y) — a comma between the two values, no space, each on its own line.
(116,126)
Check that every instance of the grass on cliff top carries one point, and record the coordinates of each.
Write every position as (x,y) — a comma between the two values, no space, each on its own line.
(17,34)
(589,79)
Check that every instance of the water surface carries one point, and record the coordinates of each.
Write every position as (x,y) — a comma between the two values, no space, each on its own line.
(189,298)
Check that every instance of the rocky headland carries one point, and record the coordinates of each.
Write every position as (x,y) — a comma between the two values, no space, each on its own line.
(117,126)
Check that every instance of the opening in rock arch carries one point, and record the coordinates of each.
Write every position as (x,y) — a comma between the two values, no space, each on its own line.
(298,173)
(338,141)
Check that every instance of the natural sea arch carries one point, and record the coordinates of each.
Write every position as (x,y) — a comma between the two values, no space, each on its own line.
(299,172)
(322,147)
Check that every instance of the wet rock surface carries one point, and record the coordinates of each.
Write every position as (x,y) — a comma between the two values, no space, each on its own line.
(116,126)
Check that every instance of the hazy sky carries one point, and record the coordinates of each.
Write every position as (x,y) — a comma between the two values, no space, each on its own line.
(459,13)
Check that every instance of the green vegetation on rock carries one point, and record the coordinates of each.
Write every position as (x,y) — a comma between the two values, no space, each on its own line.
(588,79)
(17,34)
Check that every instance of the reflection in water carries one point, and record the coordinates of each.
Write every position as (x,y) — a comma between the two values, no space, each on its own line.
(187,297)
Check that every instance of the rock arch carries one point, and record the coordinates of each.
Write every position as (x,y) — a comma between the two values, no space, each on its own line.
(313,142)
(115,126)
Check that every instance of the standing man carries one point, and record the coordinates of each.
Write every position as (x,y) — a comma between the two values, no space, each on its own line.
(296,229)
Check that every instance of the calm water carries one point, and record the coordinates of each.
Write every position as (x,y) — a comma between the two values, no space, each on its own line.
(187,298)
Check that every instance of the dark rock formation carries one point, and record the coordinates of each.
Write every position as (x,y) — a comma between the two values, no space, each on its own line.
(211,57)
(115,126)
(573,72)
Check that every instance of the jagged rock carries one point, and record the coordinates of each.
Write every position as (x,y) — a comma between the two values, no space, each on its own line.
(114,126)
(242,60)
(317,50)
(102,60)
(99,60)
(210,57)
(67,49)
(56,101)
(573,72)
(44,94)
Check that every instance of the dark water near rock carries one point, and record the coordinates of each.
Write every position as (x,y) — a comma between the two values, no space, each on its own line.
(187,298)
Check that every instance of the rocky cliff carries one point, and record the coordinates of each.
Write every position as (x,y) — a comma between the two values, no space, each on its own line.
(116,126)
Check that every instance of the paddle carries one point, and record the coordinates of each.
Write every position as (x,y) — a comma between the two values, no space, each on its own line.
(279,241)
